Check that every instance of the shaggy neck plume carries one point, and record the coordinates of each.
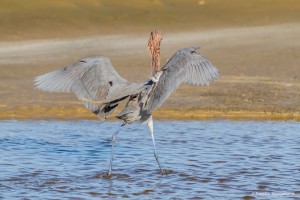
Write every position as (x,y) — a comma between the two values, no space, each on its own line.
(154,50)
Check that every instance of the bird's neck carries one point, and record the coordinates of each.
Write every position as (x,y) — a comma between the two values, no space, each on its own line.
(154,50)
(155,61)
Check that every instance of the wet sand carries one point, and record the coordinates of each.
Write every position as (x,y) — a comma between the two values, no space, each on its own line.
(258,59)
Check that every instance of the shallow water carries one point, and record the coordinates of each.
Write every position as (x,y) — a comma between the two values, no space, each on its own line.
(205,159)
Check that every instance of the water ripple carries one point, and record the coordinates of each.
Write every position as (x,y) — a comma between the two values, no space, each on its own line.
(203,160)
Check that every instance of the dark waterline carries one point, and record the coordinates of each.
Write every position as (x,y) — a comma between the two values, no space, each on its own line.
(206,159)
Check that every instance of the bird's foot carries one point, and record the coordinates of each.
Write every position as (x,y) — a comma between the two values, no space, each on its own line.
(166,171)
(106,174)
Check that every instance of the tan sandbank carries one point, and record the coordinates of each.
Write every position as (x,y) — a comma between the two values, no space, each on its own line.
(78,113)
(260,73)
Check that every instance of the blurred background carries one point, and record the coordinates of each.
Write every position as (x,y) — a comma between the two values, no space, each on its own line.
(255,44)
(34,19)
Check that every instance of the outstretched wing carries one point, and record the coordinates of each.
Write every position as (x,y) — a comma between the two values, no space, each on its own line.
(94,81)
(187,66)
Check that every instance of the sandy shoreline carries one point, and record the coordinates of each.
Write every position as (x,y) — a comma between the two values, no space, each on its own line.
(259,66)
(79,113)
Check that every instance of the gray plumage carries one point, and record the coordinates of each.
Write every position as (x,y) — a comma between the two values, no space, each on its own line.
(100,88)
(94,81)
(185,66)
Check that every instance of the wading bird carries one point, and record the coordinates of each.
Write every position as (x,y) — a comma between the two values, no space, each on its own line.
(100,88)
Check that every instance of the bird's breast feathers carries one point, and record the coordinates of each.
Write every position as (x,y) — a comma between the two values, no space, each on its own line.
(156,76)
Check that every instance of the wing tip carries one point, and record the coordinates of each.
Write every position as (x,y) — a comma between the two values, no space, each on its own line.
(37,82)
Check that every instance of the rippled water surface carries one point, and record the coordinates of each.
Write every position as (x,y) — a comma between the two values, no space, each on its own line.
(205,159)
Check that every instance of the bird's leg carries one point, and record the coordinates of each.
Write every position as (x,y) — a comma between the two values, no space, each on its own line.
(150,125)
(113,140)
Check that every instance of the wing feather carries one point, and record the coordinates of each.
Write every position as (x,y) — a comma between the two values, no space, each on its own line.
(94,81)
(185,66)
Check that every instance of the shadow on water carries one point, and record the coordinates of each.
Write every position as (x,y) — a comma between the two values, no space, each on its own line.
(206,159)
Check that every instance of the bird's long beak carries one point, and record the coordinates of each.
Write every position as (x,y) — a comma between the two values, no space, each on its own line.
(154,50)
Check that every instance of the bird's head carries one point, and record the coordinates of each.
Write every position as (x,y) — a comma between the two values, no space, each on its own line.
(154,50)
